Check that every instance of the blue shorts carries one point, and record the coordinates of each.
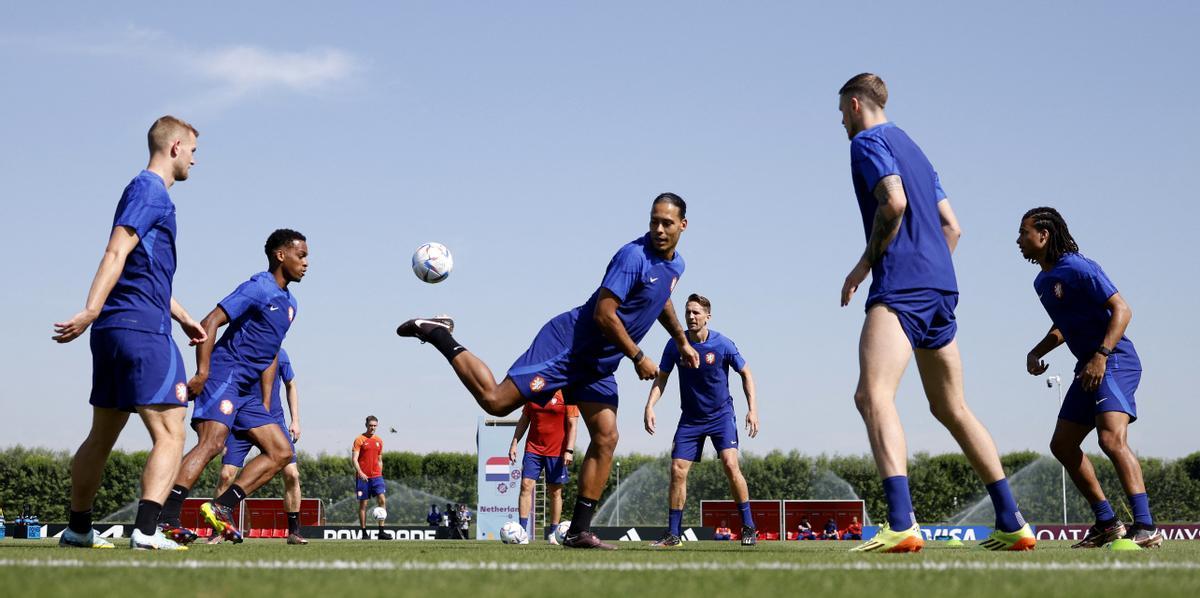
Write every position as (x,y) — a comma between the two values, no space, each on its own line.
(549,365)
(556,469)
(926,315)
(689,437)
(237,446)
(370,488)
(232,395)
(132,369)
(1115,393)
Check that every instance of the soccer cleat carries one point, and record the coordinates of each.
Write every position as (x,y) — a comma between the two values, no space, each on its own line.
(1019,540)
(420,328)
(156,541)
(71,539)
(296,540)
(668,540)
(1146,537)
(1101,534)
(180,535)
(886,540)
(585,539)
(749,536)
(220,518)
(550,537)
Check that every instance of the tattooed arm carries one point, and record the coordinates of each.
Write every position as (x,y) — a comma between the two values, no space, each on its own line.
(889,192)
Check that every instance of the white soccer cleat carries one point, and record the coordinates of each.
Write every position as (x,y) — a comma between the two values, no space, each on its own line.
(71,539)
(156,541)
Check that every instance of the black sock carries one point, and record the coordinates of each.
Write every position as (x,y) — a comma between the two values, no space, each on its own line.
(440,338)
(581,521)
(147,517)
(173,506)
(294,523)
(232,497)
(80,521)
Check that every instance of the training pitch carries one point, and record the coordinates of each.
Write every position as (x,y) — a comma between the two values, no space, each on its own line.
(702,569)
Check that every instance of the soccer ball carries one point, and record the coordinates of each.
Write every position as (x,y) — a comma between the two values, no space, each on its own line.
(513,533)
(432,262)
(556,537)
(379,513)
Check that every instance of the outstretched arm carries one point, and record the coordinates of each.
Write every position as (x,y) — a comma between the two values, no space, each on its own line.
(120,243)
(892,202)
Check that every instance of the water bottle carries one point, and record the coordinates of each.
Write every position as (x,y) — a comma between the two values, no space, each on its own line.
(1,524)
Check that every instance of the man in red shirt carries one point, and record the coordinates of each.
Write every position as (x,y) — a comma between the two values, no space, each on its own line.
(368,465)
(550,446)
(853,531)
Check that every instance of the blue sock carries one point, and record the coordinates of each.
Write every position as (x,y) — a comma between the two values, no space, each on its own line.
(747,518)
(524,523)
(1141,509)
(675,521)
(1008,516)
(1103,511)
(900,511)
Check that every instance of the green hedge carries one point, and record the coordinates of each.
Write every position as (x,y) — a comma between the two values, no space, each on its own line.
(944,486)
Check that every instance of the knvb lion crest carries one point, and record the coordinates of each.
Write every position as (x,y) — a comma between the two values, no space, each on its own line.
(710,358)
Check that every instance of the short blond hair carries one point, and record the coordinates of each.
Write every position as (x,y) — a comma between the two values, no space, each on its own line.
(866,86)
(165,131)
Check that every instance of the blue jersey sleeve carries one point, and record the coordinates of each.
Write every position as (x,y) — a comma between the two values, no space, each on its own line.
(623,271)
(285,366)
(937,187)
(669,357)
(1095,284)
(137,210)
(733,358)
(872,159)
(241,301)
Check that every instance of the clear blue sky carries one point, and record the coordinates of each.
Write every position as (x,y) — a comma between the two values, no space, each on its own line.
(530,137)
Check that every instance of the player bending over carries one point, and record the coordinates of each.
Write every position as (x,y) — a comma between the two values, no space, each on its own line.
(233,375)
(238,444)
(1089,315)
(578,351)
(707,413)
(550,448)
(911,232)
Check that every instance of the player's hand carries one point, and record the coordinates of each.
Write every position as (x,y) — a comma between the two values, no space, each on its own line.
(648,420)
(568,458)
(688,357)
(853,279)
(1093,373)
(65,332)
(1035,365)
(362,476)
(195,332)
(512,454)
(752,423)
(294,430)
(646,369)
(196,385)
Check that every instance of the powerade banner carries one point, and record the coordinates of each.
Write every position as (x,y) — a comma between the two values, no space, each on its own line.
(499,481)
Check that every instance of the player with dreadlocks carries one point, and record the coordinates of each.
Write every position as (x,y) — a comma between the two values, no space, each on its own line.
(1089,315)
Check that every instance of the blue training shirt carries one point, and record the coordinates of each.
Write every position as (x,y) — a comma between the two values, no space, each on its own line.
(260,314)
(642,280)
(1075,292)
(918,258)
(704,391)
(141,298)
(283,374)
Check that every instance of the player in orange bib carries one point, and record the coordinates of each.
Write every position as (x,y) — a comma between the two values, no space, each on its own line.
(368,466)
(550,447)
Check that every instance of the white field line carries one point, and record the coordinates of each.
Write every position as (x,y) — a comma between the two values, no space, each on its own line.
(340,565)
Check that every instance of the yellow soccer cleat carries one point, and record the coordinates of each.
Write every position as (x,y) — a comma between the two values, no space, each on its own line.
(1021,539)
(886,540)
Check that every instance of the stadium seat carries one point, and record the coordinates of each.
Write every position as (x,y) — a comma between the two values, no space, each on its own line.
(279,533)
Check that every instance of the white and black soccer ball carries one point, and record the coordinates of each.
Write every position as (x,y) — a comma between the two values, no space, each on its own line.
(556,537)
(379,513)
(513,533)
(432,262)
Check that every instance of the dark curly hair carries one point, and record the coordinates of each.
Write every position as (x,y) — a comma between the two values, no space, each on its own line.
(280,238)
(1061,242)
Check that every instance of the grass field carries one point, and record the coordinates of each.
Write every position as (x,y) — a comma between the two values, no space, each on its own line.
(699,569)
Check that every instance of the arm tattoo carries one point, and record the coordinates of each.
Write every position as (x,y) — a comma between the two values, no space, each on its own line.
(886,225)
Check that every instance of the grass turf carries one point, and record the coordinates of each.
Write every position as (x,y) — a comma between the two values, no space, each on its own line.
(703,569)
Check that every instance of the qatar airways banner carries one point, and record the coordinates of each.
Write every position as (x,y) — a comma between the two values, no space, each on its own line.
(1075,533)
(499,481)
